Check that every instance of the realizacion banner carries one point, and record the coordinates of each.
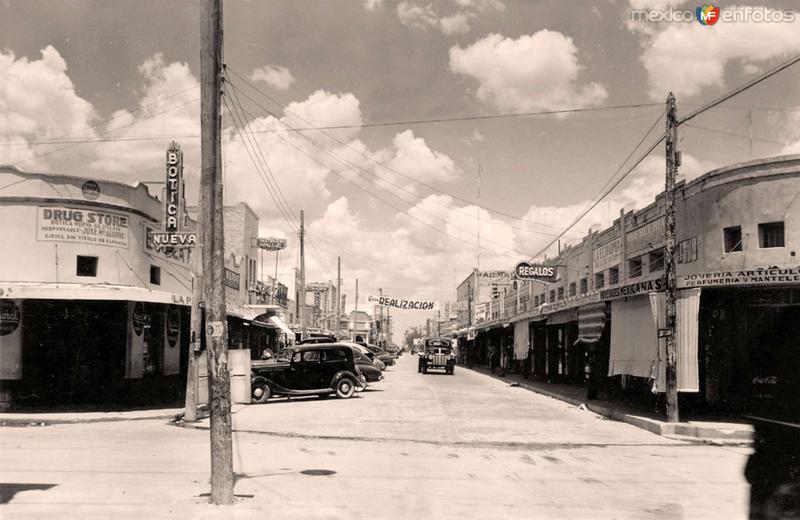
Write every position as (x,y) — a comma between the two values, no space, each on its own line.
(399,303)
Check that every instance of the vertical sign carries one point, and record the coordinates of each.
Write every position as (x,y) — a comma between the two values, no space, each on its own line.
(174,193)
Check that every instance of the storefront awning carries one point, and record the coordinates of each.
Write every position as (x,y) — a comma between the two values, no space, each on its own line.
(281,325)
(591,322)
(90,291)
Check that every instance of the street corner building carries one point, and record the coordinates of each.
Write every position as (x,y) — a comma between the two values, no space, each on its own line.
(602,320)
(90,310)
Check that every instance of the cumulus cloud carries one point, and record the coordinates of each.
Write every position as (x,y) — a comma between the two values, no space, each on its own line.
(38,102)
(275,76)
(455,22)
(672,60)
(169,106)
(533,72)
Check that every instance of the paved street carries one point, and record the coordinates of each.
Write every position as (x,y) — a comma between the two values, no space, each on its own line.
(413,446)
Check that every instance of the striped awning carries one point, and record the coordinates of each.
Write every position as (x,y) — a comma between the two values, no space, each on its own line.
(591,322)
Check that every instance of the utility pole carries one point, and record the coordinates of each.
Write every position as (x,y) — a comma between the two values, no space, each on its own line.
(673,161)
(383,324)
(211,199)
(356,294)
(302,296)
(338,295)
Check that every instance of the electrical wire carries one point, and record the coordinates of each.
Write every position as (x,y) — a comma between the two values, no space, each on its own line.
(393,170)
(355,169)
(136,122)
(273,191)
(722,132)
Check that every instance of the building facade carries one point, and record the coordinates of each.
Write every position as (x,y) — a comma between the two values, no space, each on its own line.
(91,310)
(738,306)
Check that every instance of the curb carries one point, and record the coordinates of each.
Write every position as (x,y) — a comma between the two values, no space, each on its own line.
(46,421)
(683,431)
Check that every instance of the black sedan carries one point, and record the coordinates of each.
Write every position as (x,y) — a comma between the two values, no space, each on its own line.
(307,370)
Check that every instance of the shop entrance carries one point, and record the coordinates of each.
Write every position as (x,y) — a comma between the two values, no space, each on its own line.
(73,352)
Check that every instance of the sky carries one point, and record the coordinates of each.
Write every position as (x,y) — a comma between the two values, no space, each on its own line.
(419,165)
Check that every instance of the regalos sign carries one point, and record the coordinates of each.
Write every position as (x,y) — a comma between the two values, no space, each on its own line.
(543,273)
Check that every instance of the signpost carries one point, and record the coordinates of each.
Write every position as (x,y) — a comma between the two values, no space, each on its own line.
(271,244)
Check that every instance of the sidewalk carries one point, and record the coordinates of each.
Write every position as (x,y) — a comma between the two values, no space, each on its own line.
(47,418)
(713,432)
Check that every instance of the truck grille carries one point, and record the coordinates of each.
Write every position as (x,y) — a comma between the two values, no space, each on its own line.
(439,359)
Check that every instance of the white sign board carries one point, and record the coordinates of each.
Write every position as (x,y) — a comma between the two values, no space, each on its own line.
(83,226)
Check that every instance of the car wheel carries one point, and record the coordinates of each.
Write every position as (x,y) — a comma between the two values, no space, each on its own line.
(345,388)
(259,392)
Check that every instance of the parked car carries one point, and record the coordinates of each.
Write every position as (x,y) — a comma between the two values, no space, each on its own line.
(367,367)
(313,340)
(381,354)
(437,353)
(307,370)
(370,354)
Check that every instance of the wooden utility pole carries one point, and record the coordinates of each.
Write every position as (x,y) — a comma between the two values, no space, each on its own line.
(190,405)
(302,296)
(673,161)
(211,209)
(356,294)
(338,295)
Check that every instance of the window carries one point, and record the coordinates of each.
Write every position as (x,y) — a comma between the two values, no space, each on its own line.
(86,266)
(656,260)
(572,289)
(536,300)
(770,234)
(584,285)
(334,355)
(155,275)
(311,355)
(732,238)
(613,276)
(552,296)
(599,281)
(560,293)
(635,267)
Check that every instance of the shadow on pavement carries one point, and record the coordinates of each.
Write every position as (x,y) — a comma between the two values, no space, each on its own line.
(9,490)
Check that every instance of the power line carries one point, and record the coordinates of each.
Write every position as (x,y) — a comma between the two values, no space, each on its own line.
(133,123)
(356,168)
(739,90)
(273,189)
(606,190)
(281,198)
(388,168)
(716,131)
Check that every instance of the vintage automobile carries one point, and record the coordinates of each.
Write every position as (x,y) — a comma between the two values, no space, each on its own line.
(307,370)
(368,369)
(386,358)
(437,353)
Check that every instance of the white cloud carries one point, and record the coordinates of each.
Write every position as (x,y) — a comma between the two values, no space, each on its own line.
(416,15)
(455,24)
(425,16)
(371,5)
(322,109)
(275,76)
(169,106)
(672,60)
(415,158)
(533,72)
(38,102)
